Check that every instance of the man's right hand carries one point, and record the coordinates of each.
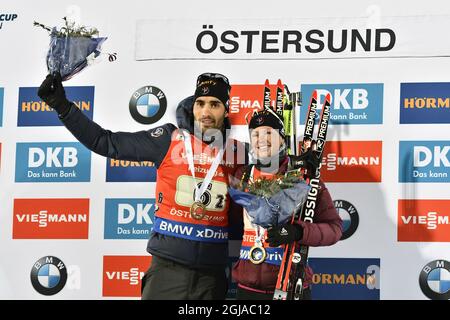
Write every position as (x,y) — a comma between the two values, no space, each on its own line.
(52,92)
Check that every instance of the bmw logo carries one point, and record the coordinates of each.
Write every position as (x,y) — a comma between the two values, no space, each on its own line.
(434,280)
(148,105)
(48,275)
(349,216)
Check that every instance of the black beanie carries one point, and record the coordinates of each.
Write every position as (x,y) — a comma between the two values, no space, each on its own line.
(215,85)
(267,118)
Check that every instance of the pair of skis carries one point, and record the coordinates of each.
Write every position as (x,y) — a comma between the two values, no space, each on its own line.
(283,108)
(293,265)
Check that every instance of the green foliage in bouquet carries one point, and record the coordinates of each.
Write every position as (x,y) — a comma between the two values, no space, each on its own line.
(69,30)
(265,187)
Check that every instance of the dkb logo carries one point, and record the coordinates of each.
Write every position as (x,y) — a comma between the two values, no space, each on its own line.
(52,162)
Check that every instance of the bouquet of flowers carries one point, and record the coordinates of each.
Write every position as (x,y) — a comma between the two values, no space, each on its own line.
(271,202)
(72,48)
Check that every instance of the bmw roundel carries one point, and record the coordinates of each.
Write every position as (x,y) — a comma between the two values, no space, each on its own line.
(349,216)
(148,105)
(434,280)
(48,275)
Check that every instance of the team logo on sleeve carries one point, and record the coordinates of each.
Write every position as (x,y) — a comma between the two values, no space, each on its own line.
(155,133)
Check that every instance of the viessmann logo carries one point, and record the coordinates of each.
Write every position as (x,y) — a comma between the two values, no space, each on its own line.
(424,220)
(35,112)
(355,103)
(51,219)
(245,98)
(122,275)
(352,161)
(130,171)
(425,102)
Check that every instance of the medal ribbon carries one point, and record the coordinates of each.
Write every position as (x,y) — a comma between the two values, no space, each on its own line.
(212,169)
(259,235)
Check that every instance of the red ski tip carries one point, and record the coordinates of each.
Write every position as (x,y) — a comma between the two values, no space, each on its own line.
(266,83)
(328,98)
(314,94)
(279,84)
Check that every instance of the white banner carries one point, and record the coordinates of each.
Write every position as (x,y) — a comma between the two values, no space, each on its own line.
(281,39)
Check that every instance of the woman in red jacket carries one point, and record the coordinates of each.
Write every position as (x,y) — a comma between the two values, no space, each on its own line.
(256,280)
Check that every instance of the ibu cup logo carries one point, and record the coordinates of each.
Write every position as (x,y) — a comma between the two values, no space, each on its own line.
(7,18)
